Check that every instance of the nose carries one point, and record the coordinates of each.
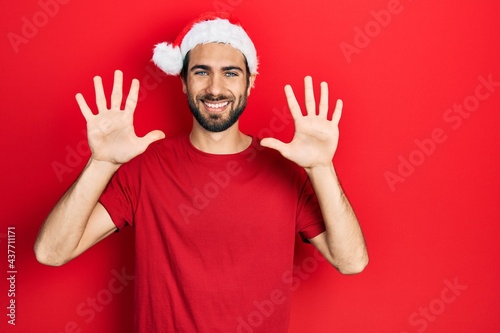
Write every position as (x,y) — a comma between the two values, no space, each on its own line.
(215,85)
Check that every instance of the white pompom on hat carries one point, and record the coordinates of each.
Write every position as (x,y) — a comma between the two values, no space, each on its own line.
(208,28)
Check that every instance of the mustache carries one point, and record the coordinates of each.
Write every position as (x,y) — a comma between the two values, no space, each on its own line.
(214,98)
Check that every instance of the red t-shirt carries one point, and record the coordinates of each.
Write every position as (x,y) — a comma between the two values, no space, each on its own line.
(214,236)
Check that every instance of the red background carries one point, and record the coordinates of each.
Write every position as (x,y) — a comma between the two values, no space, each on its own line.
(438,226)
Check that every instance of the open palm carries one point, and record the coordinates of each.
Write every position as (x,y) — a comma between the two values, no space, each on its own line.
(316,137)
(111,132)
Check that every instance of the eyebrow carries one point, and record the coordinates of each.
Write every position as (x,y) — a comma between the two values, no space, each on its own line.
(232,68)
(204,67)
(208,68)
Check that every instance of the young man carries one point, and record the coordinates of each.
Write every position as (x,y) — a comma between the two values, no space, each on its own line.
(215,212)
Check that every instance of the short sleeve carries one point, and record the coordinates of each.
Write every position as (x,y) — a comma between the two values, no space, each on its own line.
(310,221)
(118,198)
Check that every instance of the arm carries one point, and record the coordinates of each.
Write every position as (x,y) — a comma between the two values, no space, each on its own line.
(78,221)
(313,147)
(342,244)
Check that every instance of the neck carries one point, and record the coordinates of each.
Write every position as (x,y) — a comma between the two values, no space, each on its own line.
(230,141)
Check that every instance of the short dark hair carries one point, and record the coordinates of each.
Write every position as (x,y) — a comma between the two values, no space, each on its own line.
(185,65)
(185,69)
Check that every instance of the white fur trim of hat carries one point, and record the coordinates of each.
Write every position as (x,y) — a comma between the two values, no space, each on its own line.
(210,28)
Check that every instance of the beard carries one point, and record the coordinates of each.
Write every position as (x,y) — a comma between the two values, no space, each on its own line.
(217,122)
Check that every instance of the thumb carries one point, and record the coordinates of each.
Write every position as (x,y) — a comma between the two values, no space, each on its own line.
(152,137)
(274,144)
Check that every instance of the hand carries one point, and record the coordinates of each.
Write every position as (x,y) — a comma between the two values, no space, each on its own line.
(111,132)
(316,138)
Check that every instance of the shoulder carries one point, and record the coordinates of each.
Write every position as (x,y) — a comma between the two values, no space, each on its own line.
(168,143)
(272,161)
(159,151)
(165,147)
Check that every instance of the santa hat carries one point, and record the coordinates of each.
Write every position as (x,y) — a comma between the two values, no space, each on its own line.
(209,28)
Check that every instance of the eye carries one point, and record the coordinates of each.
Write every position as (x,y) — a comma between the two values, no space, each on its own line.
(231,74)
(201,73)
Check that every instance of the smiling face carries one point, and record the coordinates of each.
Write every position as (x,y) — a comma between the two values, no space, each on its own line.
(217,84)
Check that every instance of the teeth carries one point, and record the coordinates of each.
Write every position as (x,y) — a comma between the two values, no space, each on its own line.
(216,105)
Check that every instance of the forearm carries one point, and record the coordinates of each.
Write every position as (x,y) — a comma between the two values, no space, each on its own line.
(344,241)
(62,232)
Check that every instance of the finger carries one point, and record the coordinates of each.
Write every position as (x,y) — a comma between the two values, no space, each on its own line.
(152,137)
(274,144)
(309,96)
(131,102)
(293,105)
(100,99)
(337,113)
(323,100)
(116,94)
(84,108)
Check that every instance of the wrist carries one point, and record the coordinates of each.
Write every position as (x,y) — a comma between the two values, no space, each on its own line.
(321,174)
(320,170)
(324,180)
(103,166)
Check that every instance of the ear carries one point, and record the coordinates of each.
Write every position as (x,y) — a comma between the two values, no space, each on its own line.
(252,83)
(184,86)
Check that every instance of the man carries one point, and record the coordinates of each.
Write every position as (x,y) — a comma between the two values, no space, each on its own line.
(215,212)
